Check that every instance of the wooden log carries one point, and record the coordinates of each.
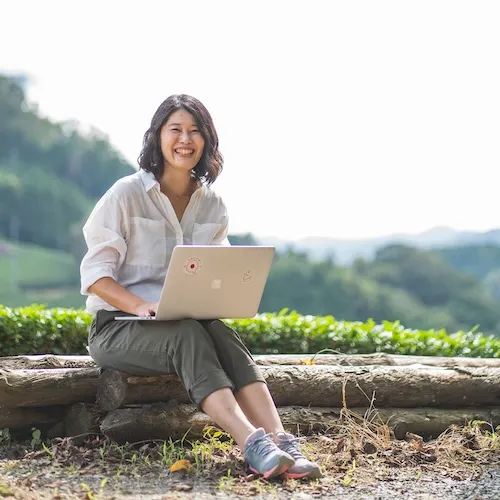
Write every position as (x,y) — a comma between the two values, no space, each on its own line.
(80,420)
(323,385)
(376,359)
(47,361)
(175,421)
(57,386)
(26,418)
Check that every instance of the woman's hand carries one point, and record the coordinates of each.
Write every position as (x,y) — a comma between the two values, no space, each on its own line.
(147,309)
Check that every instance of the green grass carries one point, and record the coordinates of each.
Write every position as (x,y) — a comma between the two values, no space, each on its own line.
(31,274)
(34,266)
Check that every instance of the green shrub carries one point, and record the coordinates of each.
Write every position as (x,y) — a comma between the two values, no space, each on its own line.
(36,329)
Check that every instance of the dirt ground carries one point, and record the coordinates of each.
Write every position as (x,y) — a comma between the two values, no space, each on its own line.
(358,462)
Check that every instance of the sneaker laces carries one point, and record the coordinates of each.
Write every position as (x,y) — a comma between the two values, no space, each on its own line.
(262,445)
(289,445)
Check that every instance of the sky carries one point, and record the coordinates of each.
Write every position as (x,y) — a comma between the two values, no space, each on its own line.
(346,119)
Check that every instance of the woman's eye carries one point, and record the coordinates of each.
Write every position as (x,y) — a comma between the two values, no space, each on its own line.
(175,130)
(195,131)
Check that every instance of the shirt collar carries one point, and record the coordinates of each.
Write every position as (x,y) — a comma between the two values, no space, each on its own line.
(148,180)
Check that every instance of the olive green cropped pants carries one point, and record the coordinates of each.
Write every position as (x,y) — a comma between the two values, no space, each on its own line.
(206,355)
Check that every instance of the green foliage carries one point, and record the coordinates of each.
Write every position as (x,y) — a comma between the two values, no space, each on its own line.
(492,281)
(477,260)
(36,329)
(50,173)
(435,287)
(322,288)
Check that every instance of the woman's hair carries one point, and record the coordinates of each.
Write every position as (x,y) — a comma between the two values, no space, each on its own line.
(151,158)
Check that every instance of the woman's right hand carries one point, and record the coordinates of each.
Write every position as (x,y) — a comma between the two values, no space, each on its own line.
(147,309)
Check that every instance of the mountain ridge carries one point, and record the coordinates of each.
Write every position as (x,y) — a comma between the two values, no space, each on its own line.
(345,250)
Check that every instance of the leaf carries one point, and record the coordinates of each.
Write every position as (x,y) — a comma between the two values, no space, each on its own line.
(5,491)
(180,465)
(309,361)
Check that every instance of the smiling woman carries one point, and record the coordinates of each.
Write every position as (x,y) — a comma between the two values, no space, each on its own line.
(130,235)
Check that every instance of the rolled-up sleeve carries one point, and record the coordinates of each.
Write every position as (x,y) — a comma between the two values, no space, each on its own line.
(105,234)
(221,236)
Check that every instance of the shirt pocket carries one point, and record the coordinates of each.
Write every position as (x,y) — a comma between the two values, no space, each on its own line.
(204,234)
(147,246)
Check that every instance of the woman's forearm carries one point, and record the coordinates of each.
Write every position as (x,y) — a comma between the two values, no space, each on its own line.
(117,296)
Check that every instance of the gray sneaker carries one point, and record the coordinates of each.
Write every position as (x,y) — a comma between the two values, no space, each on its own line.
(264,457)
(302,468)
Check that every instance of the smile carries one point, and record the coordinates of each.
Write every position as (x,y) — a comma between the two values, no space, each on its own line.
(184,152)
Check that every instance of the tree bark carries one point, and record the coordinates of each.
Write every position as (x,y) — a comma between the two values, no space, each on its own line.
(376,359)
(163,421)
(47,361)
(57,386)
(116,389)
(81,419)
(25,418)
(322,385)
(307,385)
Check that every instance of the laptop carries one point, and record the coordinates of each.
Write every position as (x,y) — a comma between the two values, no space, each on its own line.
(212,282)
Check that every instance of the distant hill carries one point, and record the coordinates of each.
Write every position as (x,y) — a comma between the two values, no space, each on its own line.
(345,251)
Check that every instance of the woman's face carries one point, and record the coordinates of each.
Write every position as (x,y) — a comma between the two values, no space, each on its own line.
(181,141)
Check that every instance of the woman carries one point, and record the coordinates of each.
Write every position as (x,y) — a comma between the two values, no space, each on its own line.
(130,236)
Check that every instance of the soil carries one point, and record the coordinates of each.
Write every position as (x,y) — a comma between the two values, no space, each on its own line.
(462,464)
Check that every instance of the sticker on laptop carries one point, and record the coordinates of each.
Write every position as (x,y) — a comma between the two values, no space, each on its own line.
(192,266)
(247,276)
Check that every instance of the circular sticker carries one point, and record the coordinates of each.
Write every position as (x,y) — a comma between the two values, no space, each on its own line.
(192,266)
(247,276)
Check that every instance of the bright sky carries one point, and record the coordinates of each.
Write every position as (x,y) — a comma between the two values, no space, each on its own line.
(342,119)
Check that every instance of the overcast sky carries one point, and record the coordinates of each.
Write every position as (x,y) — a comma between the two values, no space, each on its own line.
(343,119)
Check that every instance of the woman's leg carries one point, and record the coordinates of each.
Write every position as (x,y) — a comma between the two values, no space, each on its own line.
(252,393)
(185,347)
(257,404)
(254,398)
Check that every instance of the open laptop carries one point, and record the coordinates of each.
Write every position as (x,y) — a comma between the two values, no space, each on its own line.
(211,282)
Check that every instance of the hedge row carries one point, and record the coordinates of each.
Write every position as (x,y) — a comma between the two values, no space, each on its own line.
(37,330)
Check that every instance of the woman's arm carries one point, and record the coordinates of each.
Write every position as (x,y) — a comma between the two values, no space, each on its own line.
(114,294)
(221,237)
(106,233)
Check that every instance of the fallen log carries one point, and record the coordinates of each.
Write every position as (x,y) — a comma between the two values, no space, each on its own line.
(57,386)
(26,418)
(116,389)
(46,361)
(376,359)
(163,421)
(316,385)
(81,419)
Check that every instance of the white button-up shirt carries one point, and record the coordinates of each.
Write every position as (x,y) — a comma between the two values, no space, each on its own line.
(133,230)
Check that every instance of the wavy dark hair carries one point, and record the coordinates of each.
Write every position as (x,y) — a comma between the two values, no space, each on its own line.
(151,158)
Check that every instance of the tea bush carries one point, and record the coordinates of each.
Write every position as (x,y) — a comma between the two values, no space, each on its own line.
(38,330)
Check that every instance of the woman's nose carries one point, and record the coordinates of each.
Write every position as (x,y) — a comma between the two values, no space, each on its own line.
(185,137)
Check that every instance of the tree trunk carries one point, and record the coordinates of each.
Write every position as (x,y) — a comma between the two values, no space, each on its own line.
(25,418)
(47,361)
(322,385)
(57,386)
(163,421)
